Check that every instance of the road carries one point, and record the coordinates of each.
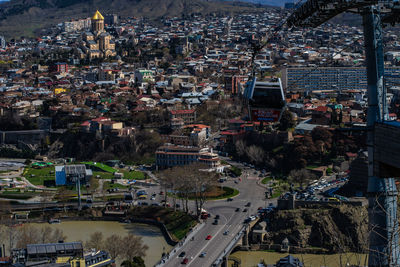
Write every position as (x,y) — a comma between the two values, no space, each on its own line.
(230,220)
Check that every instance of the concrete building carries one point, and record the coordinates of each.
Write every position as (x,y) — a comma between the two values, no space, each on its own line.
(187,115)
(332,78)
(172,155)
(110,19)
(3,43)
(68,254)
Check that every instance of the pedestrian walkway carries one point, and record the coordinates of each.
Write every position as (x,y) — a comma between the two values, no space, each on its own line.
(191,235)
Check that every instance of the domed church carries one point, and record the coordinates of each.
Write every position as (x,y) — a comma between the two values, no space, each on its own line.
(98,43)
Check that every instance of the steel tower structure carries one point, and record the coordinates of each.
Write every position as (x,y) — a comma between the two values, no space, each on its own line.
(383,226)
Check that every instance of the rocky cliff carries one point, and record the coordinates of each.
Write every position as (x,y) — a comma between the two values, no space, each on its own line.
(337,229)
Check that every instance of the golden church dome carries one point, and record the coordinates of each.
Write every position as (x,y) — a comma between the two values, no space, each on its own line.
(97,16)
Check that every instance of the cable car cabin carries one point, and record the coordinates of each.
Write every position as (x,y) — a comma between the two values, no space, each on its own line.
(266,100)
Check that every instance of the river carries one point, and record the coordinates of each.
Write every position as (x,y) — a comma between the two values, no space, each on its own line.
(310,260)
(81,231)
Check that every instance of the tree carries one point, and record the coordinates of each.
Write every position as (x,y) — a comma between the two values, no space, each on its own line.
(132,246)
(27,234)
(96,241)
(113,245)
(301,176)
(48,235)
(240,146)
(255,154)
(136,262)
(287,121)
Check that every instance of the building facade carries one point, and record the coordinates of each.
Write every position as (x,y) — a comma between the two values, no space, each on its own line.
(333,78)
(170,155)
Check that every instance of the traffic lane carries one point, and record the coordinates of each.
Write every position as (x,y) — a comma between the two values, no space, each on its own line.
(217,245)
(191,248)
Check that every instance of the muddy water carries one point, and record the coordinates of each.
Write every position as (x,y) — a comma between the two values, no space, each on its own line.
(81,231)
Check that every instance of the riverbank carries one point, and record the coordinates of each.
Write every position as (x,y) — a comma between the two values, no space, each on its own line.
(252,258)
(81,231)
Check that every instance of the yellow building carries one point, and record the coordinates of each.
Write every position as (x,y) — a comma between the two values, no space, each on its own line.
(98,43)
(59,91)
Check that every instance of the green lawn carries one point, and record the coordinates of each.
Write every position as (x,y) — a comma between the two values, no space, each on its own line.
(38,176)
(109,185)
(103,175)
(135,175)
(266,180)
(101,166)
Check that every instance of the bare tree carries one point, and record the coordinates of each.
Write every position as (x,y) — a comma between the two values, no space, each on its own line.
(27,234)
(255,153)
(301,176)
(113,245)
(240,148)
(133,246)
(48,235)
(96,241)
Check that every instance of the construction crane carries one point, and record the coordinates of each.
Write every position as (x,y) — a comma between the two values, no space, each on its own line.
(383,238)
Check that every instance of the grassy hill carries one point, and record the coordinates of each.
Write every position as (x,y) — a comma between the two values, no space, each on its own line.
(26,17)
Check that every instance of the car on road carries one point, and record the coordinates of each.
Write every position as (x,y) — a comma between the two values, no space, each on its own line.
(215,222)
(185,261)
(244,210)
(229,199)
(208,237)
(203,254)
(250,218)
(217,217)
(237,209)
(248,204)
(182,254)
(226,232)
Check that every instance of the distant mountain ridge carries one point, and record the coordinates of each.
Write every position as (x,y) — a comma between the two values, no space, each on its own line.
(269,2)
(23,17)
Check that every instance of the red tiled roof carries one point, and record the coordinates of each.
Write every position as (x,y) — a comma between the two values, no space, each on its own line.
(321,109)
(100,119)
(182,111)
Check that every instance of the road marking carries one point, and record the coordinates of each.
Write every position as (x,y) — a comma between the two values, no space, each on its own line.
(207,243)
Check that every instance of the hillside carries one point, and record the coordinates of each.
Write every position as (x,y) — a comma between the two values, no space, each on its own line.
(336,229)
(24,17)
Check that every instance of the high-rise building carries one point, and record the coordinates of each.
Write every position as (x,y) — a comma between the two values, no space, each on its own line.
(332,78)
(110,19)
(3,43)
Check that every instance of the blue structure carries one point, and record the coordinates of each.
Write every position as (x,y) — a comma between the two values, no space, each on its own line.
(384,240)
(67,174)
